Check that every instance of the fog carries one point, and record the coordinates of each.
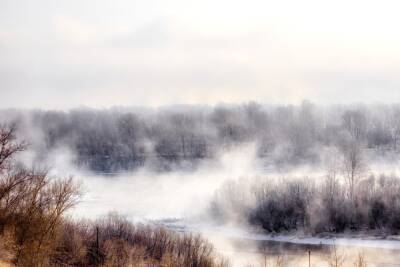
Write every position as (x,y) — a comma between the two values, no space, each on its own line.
(149,195)
(180,200)
(271,128)
(251,178)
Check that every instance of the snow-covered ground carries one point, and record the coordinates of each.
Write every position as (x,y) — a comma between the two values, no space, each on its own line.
(364,241)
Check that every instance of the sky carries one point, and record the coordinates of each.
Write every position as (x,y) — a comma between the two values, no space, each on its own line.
(98,53)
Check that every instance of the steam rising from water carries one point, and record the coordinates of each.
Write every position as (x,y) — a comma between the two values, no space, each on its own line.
(151,195)
(146,194)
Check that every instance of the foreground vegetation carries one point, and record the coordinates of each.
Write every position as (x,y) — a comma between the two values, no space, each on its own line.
(34,230)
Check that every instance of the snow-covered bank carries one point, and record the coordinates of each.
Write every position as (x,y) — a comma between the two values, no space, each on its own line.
(361,241)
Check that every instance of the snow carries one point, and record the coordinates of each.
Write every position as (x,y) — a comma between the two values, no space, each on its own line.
(364,241)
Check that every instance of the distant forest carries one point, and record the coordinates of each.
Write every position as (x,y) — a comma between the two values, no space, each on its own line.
(123,139)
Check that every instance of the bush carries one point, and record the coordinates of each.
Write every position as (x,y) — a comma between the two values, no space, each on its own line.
(321,206)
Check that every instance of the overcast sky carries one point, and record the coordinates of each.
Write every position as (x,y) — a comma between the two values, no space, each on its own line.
(101,53)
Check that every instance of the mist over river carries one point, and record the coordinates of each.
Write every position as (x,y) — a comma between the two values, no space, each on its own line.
(199,133)
(179,201)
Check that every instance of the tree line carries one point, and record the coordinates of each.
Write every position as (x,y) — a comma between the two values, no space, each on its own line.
(123,139)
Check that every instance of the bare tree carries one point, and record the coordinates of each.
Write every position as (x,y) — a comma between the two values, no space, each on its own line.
(8,146)
(336,258)
(31,204)
(355,123)
(279,261)
(353,166)
(360,261)
(394,121)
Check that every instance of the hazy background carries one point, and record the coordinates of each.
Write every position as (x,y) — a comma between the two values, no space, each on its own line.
(63,54)
(158,119)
